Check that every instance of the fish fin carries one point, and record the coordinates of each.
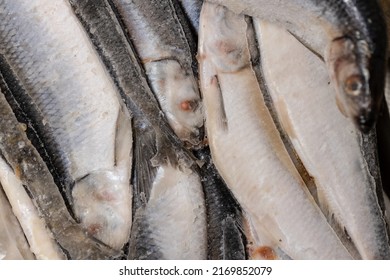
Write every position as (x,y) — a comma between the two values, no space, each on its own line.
(170,150)
(141,245)
(232,240)
(123,139)
(153,148)
(144,171)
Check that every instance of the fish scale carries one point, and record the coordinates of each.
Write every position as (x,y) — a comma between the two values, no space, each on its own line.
(160,143)
(349,35)
(335,154)
(165,46)
(226,237)
(41,88)
(35,177)
(74,106)
(256,167)
(165,181)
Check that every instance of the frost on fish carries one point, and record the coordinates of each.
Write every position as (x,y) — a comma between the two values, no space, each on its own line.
(246,147)
(349,35)
(178,96)
(329,146)
(168,206)
(165,47)
(156,146)
(35,198)
(171,224)
(102,25)
(41,241)
(74,107)
(13,243)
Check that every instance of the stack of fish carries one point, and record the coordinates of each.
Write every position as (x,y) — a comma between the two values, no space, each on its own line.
(167,129)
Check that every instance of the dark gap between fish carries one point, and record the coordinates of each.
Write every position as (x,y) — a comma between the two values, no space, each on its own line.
(221,206)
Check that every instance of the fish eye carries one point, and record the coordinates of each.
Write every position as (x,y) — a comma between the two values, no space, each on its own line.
(353,84)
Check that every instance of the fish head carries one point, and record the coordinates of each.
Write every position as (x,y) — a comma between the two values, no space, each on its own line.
(358,79)
(183,104)
(102,204)
(227,54)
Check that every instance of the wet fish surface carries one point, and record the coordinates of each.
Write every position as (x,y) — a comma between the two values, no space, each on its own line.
(328,145)
(256,167)
(349,35)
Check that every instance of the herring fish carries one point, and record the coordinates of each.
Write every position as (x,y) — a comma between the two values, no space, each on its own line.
(329,146)
(157,149)
(165,46)
(172,223)
(60,83)
(118,54)
(246,146)
(349,35)
(37,201)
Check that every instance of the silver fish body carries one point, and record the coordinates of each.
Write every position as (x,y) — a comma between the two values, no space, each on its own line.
(329,146)
(165,46)
(118,54)
(76,110)
(349,35)
(171,224)
(157,150)
(31,190)
(246,147)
